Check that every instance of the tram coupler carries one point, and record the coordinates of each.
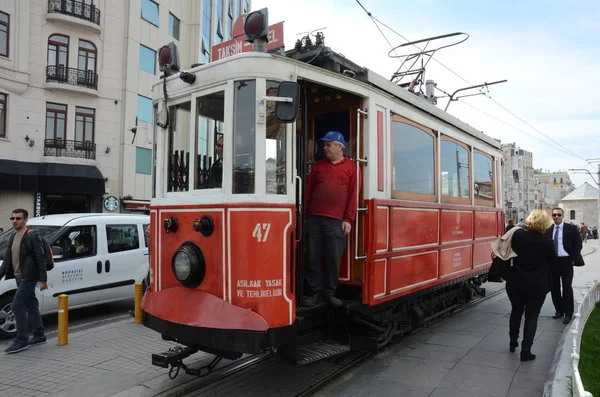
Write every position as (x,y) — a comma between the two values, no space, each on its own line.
(172,357)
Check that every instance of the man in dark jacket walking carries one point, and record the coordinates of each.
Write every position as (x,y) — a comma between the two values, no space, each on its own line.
(25,262)
(567,247)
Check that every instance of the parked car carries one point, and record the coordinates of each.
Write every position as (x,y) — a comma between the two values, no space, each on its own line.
(103,256)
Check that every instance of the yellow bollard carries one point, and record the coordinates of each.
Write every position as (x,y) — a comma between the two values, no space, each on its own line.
(63,320)
(139,292)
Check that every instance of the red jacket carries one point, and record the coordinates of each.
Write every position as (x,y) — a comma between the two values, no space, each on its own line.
(331,190)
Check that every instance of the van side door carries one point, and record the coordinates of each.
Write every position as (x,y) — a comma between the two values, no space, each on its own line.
(125,262)
(77,273)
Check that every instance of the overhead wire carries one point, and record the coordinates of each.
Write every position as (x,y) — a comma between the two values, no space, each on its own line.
(561,147)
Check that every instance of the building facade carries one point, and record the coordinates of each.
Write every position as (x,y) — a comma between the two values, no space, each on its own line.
(581,205)
(518,182)
(551,187)
(75,77)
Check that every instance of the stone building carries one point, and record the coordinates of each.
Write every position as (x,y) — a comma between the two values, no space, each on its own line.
(551,187)
(75,77)
(518,182)
(581,205)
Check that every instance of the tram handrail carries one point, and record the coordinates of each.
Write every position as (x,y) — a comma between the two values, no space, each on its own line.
(585,306)
(299,221)
(358,161)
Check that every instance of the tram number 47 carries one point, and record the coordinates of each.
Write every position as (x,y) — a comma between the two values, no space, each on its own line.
(258,232)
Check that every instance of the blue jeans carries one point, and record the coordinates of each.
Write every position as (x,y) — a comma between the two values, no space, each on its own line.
(25,304)
(325,241)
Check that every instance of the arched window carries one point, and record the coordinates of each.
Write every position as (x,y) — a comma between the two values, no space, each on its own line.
(413,161)
(58,50)
(572,215)
(455,171)
(87,56)
(484,177)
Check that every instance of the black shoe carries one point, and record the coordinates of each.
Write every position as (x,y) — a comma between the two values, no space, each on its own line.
(333,301)
(513,346)
(558,315)
(37,341)
(17,346)
(567,320)
(311,300)
(527,356)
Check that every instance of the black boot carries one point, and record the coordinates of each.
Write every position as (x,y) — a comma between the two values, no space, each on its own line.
(513,345)
(526,355)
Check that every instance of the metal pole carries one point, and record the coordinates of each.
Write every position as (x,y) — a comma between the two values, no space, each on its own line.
(598,225)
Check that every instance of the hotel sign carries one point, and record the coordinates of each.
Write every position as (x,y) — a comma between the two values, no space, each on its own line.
(237,45)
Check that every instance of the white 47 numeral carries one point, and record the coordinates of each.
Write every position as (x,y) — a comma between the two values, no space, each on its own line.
(258,232)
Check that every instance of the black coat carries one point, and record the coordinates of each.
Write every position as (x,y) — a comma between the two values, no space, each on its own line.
(535,257)
(571,241)
(32,259)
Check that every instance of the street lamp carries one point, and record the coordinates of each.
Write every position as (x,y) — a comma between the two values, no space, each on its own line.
(597,182)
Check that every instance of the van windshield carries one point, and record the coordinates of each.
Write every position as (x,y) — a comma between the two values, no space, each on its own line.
(45,231)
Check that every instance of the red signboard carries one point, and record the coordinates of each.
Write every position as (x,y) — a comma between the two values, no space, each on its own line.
(237,45)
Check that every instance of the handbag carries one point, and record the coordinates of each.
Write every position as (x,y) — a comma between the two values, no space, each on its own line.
(497,270)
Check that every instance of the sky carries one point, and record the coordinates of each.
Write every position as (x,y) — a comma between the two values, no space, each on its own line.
(548,50)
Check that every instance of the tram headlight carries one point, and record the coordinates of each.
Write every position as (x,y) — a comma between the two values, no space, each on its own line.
(188,265)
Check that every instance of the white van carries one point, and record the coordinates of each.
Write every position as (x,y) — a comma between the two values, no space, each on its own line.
(103,256)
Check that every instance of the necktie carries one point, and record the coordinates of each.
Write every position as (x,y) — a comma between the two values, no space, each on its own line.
(556,239)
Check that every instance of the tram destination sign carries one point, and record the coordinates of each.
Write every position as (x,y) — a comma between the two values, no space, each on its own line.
(237,45)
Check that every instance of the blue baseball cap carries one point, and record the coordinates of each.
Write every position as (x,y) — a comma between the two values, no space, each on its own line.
(334,136)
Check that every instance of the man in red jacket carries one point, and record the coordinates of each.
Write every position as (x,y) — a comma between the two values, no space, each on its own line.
(331,201)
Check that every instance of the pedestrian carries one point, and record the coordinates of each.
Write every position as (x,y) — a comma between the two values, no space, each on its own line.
(215,175)
(567,247)
(595,232)
(509,225)
(331,202)
(584,232)
(25,262)
(528,280)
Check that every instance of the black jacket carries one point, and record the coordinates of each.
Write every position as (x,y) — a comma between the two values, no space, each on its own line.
(535,257)
(571,241)
(32,259)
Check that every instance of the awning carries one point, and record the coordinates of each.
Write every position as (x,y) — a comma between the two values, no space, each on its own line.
(70,178)
(18,175)
(137,205)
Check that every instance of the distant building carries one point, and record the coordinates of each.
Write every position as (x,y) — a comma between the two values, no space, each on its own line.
(581,205)
(551,187)
(518,182)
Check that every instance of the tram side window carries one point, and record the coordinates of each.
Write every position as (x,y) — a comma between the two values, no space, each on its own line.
(413,156)
(276,147)
(210,114)
(179,147)
(244,144)
(484,176)
(455,172)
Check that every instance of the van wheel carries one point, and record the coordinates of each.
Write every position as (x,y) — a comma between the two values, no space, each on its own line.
(8,325)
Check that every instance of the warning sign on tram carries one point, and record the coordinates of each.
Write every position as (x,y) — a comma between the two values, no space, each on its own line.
(237,45)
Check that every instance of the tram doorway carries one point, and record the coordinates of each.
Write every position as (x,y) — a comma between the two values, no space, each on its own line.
(326,109)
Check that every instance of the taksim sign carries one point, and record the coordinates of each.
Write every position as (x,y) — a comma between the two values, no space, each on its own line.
(237,45)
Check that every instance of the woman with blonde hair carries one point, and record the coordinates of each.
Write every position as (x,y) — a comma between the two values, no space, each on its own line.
(528,280)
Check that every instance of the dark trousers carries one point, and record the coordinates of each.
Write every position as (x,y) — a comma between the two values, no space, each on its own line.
(325,241)
(563,274)
(25,304)
(526,300)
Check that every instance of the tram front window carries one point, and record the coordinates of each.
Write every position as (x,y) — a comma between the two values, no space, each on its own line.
(275,147)
(209,141)
(244,144)
(179,144)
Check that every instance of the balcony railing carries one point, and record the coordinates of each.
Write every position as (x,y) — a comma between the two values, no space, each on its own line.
(77,9)
(75,149)
(72,76)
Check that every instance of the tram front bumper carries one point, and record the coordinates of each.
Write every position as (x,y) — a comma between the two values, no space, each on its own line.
(199,319)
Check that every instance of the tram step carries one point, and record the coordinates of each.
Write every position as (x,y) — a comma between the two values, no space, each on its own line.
(319,351)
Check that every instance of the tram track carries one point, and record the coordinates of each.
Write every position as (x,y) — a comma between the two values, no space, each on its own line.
(255,374)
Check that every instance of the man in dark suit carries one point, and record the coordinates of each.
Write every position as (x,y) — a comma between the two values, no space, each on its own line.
(567,245)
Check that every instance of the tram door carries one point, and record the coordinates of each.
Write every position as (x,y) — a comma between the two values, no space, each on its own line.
(326,109)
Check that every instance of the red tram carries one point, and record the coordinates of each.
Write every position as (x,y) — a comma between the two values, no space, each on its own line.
(227,243)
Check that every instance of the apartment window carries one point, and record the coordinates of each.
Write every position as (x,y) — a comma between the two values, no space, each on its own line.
(219,36)
(229,27)
(84,124)
(3,115)
(150,12)
(174,26)
(4,33)
(58,50)
(143,161)
(144,112)
(147,59)
(206,29)
(87,56)
(56,121)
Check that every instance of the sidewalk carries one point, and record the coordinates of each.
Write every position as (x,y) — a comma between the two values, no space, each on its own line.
(467,354)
